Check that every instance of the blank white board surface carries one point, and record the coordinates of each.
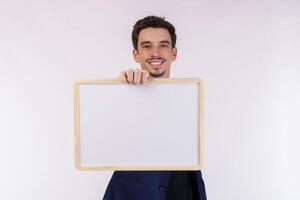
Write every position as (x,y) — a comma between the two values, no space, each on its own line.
(154,126)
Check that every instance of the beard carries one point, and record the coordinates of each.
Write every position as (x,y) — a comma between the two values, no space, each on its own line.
(157,75)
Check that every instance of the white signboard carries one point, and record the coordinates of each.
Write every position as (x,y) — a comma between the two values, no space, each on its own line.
(155,126)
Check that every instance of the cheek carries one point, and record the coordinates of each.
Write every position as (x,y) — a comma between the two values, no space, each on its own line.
(143,57)
(168,54)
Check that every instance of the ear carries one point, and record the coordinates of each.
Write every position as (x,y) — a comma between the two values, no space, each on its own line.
(174,53)
(136,56)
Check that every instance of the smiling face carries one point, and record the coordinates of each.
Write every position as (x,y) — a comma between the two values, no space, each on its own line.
(155,52)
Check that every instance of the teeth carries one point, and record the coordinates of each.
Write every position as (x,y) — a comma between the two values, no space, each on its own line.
(156,63)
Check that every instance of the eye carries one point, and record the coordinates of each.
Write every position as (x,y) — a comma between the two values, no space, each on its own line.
(146,47)
(164,46)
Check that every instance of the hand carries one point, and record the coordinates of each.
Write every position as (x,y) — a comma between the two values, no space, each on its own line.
(134,76)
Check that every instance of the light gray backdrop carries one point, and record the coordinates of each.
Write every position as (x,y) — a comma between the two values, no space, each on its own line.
(247,52)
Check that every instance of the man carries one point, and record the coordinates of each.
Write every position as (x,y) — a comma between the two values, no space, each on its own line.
(154,41)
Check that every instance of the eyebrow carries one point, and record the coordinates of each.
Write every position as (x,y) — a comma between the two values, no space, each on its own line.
(165,41)
(145,42)
(148,42)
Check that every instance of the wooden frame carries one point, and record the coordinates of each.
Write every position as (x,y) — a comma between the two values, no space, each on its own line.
(201,124)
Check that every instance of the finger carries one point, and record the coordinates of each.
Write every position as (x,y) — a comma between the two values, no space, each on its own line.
(137,76)
(145,76)
(130,74)
(122,77)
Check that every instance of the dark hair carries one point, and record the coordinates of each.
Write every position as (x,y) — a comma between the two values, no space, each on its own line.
(153,22)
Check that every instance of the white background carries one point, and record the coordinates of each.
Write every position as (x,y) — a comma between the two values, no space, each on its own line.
(247,52)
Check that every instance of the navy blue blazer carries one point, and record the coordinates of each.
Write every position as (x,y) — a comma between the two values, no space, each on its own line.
(145,185)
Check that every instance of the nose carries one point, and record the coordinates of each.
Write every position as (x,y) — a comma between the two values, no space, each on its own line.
(155,51)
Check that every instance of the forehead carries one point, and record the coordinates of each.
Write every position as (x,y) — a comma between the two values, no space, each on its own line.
(154,35)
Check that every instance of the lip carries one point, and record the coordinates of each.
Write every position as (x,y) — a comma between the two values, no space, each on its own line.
(156,63)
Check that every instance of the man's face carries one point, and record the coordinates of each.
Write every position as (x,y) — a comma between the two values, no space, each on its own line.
(155,52)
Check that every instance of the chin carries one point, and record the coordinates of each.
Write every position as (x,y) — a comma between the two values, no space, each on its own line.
(153,72)
(157,74)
